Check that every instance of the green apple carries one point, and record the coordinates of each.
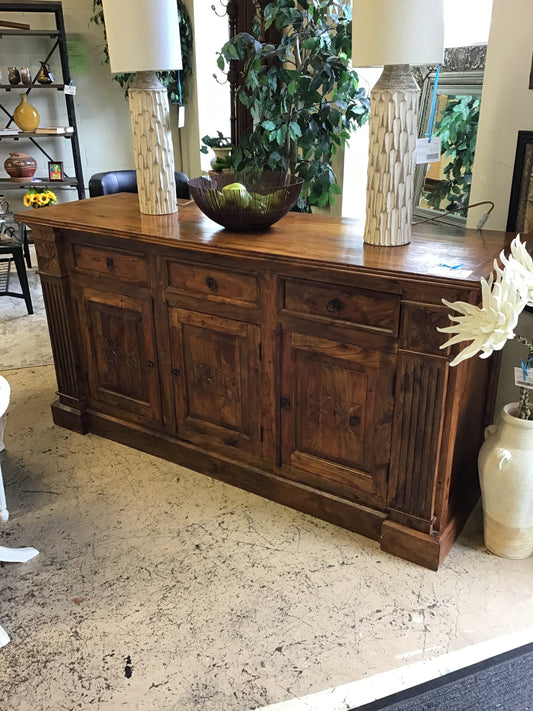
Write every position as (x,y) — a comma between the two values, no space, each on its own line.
(277,198)
(257,203)
(236,195)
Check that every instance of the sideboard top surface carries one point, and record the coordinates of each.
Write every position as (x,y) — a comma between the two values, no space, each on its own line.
(453,253)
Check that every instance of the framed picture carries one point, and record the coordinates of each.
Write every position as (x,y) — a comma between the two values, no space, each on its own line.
(55,170)
(520,216)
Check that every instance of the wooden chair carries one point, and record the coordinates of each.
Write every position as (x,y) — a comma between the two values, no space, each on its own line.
(13,244)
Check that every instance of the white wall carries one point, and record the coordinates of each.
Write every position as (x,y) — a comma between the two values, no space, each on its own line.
(506,108)
(208,108)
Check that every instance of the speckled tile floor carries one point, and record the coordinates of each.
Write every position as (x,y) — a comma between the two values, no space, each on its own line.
(222,600)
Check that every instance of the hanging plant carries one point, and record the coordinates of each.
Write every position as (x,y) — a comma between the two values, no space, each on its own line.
(174,81)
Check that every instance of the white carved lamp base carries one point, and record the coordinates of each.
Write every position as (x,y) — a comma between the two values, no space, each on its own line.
(152,144)
(391,157)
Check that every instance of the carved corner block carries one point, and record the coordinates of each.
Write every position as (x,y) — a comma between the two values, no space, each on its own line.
(419,329)
(50,258)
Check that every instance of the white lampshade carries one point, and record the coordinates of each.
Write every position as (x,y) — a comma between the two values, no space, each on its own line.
(142,35)
(389,32)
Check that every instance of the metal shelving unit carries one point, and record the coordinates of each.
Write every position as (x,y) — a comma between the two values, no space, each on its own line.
(58,44)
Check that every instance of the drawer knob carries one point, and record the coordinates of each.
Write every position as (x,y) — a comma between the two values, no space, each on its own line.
(334,305)
(109,263)
(150,365)
(176,372)
(211,283)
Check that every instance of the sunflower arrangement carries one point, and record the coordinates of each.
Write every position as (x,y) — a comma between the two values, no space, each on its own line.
(39,197)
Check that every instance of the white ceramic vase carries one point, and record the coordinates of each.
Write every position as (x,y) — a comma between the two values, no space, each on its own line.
(506,476)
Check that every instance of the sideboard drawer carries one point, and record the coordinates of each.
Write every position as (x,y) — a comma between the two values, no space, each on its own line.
(102,261)
(339,303)
(224,285)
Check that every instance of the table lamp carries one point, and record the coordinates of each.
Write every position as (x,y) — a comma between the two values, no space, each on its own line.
(143,37)
(394,34)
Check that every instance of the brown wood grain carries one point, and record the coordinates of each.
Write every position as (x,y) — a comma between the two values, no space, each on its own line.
(310,239)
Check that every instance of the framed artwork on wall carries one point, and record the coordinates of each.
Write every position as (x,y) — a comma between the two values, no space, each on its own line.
(55,170)
(520,216)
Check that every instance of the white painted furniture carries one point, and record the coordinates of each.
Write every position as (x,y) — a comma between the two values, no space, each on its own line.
(8,555)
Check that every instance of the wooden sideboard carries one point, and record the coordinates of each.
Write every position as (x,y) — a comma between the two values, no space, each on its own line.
(297,363)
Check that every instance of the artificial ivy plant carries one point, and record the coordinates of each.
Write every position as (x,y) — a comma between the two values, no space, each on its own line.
(302,94)
(457,129)
(174,81)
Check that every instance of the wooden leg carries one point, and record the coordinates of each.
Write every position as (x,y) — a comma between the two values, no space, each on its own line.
(18,257)
(26,246)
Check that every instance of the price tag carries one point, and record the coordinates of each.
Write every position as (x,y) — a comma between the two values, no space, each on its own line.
(447,270)
(428,151)
(70,89)
(519,378)
(181,116)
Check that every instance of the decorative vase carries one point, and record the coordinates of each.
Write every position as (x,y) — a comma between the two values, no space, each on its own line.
(220,154)
(25,76)
(506,476)
(13,75)
(20,167)
(44,75)
(25,115)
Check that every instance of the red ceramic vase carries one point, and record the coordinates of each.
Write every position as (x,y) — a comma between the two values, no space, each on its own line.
(20,167)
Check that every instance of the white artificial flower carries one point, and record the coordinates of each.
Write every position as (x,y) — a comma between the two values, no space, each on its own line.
(492,324)
(520,264)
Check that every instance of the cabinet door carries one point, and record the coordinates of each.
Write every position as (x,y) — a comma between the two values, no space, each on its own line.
(336,415)
(215,362)
(119,338)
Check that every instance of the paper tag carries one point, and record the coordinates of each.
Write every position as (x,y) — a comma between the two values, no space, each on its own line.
(519,378)
(428,151)
(181,116)
(447,270)
(70,89)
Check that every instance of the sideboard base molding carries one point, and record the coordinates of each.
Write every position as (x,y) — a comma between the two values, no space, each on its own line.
(350,515)
(407,543)
(69,417)
(426,549)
